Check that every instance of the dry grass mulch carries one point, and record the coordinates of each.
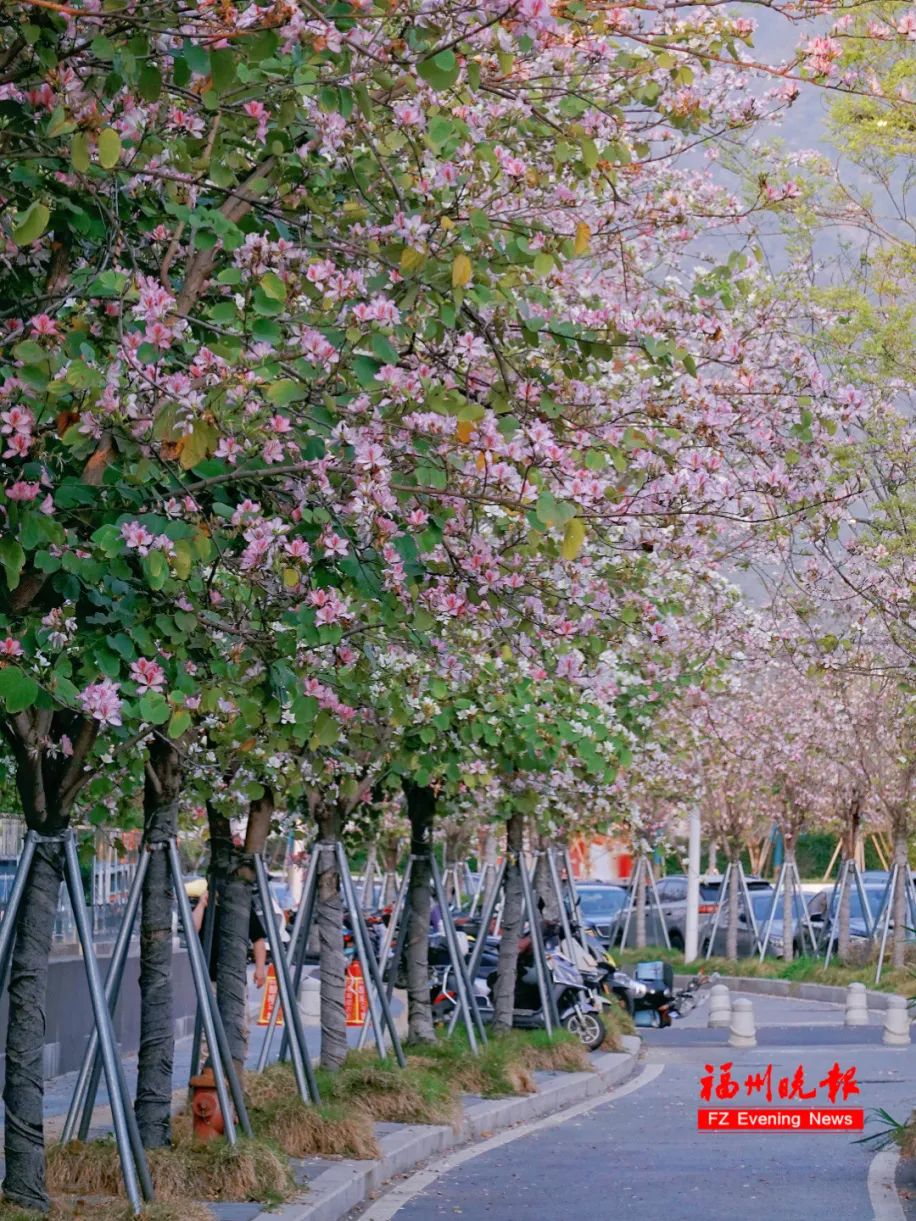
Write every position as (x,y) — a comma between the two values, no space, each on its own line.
(252,1170)
(78,1208)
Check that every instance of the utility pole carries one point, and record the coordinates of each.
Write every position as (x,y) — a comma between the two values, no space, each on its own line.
(691,929)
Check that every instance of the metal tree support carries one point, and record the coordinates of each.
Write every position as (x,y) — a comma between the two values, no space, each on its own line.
(87,1083)
(561,900)
(385,948)
(643,866)
(8,925)
(379,1009)
(848,869)
(296,951)
(788,877)
(723,899)
(548,1000)
(480,944)
(127,1136)
(207,933)
(887,907)
(208,1015)
(302,1063)
(217,1043)
(467,1001)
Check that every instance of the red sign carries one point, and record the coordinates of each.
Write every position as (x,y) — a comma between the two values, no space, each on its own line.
(270,999)
(356,1003)
(774,1119)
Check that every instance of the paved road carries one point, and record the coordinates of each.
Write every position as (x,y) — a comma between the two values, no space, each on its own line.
(642,1154)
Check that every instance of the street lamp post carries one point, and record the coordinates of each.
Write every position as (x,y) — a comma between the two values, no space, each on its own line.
(691,929)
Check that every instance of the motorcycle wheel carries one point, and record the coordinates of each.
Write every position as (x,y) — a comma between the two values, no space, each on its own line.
(587,1027)
(685,1004)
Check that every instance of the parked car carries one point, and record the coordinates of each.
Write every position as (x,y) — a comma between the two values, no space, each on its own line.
(601,907)
(762,904)
(672,895)
(875,886)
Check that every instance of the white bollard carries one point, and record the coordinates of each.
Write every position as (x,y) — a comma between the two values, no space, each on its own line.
(720,1007)
(310,999)
(856,1005)
(897,1022)
(742,1032)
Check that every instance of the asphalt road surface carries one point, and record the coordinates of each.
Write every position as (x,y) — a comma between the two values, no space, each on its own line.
(640,1154)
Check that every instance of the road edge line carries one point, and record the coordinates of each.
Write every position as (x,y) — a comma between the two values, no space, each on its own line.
(882,1186)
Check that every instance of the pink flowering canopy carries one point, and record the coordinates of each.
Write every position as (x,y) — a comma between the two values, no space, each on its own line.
(329,326)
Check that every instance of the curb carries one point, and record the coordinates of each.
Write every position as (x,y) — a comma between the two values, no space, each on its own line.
(346,1184)
(828,993)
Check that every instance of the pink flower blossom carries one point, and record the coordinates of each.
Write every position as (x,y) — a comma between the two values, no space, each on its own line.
(136,537)
(102,702)
(20,490)
(148,675)
(10,647)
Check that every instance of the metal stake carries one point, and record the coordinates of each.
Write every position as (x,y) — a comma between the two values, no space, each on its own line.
(384,952)
(8,924)
(87,1083)
(207,933)
(209,1014)
(378,1006)
(723,897)
(298,946)
(480,944)
(130,1149)
(548,1000)
(469,1011)
(302,1064)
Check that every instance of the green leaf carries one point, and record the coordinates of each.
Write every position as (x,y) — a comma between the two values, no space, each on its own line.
(273,287)
(17,689)
(154,707)
(285,391)
(31,224)
(12,557)
(441,71)
(109,148)
(149,83)
(222,69)
(573,538)
(180,723)
(79,152)
(157,569)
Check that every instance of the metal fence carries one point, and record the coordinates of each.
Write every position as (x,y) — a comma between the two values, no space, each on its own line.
(106,883)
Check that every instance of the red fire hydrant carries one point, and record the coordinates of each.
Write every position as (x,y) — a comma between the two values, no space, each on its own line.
(208,1118)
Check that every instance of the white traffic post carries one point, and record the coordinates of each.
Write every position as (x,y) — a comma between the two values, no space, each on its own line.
(742,1032)
(720,1007)
(856,1005)
(896,1023)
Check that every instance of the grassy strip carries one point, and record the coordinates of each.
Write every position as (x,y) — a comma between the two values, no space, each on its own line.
(365,1090)
(801,970)
(361,1093)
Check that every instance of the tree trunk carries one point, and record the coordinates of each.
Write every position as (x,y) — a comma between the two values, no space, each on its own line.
(543,883)
(421,809)
(899,898)
(23,1091)
(788,905)
(153,1103)
(329,918)
(234,898)
(504,993)
(390,854)
(731,943)
(641,910)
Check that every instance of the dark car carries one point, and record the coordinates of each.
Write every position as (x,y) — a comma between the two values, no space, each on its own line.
(601,907)
(672,896)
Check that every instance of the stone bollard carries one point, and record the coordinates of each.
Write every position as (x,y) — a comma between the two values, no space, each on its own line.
(310,999)
(742,1032)
(856,1005)
(896,1022)
(720,1007)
